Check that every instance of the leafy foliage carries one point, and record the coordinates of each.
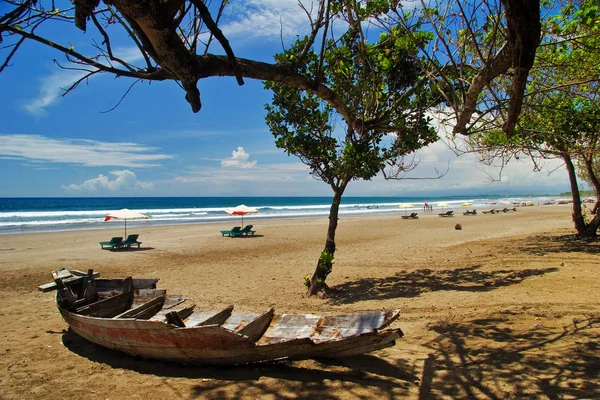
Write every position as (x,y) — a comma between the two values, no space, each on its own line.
(379,82)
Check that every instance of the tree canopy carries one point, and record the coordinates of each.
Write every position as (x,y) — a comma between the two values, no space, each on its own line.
(174,38)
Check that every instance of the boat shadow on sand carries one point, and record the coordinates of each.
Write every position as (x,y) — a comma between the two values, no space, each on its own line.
(414,283)
(366,370)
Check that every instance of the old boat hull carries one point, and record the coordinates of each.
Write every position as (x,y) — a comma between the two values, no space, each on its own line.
(213,344)
(132,316)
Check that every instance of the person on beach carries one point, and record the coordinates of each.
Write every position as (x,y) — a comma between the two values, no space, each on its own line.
(425,207)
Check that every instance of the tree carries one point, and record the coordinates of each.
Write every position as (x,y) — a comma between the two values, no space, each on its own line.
(379,82)
(568,127)
(476,43)
(174,38)
(562,116)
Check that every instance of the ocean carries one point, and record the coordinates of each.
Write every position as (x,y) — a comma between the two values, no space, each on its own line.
(21,215)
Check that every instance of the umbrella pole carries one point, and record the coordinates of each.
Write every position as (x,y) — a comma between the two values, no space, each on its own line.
(125,228)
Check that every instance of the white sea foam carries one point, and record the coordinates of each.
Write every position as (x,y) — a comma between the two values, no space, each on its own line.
(11,221)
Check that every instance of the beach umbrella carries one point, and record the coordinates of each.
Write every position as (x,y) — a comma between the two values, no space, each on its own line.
(466,204)
(241,210)
(125,214)
(405,206)
(443,205)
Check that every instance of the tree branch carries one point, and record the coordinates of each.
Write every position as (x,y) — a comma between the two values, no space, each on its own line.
(214,29)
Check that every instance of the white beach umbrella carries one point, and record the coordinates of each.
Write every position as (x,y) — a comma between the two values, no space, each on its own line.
(443,205)
(405,206)
(241,210)
(125,214)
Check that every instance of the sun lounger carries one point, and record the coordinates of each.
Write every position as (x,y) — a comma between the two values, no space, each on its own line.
(411,216)
(114,242)
(447,214)
(247,231)
(235,231)
(130,241)
(474,212)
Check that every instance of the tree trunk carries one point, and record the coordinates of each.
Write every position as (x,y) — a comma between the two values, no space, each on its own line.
(583,230)
(595,222)
(589,166)
(324,265)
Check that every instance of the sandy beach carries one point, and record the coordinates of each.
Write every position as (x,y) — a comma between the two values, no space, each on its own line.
(507,307)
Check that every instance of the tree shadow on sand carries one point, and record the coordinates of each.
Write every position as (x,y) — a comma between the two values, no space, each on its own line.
(486,358)
(304,379)
(541,245)
(412,284)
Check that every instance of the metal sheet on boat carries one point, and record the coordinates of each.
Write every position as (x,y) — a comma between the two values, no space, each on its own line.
(318,329)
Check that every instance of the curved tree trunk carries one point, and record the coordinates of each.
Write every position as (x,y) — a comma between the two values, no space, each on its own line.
(584,230)
(317,282)
(589,166)
(595,222)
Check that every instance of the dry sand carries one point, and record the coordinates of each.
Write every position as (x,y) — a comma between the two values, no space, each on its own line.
(507,307)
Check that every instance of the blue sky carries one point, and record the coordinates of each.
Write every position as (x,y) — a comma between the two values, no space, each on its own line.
(153,145)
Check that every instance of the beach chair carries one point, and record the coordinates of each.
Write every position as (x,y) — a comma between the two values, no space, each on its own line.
(411,216)
(247,231)
(474,212)
(114,242)
(131,240)
(447,214)
(235,231)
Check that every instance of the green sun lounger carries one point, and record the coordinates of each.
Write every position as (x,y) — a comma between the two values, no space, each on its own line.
(114,242)
(131,240)
(235,231)
(247,230)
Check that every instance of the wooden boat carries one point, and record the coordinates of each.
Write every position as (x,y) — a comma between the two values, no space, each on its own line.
(132,316)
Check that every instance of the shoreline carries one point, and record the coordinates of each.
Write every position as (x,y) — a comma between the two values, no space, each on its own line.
(73,214)
(347,213)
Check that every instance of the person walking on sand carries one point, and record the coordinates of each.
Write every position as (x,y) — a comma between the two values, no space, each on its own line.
(425,207)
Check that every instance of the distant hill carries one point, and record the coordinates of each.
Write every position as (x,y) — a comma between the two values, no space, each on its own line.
(582,193)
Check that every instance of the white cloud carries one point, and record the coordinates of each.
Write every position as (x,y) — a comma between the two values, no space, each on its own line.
(265,180)
(124,181)
(53,85)
(89,153)
(239,159)
(467,175)
(267,19)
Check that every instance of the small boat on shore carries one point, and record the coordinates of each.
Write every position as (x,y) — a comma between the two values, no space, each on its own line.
(133,316)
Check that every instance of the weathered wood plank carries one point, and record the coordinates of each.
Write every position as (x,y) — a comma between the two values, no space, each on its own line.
(217,319)
(256,328)
(141,312)
(47,287)
(106,307)
(173,318)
